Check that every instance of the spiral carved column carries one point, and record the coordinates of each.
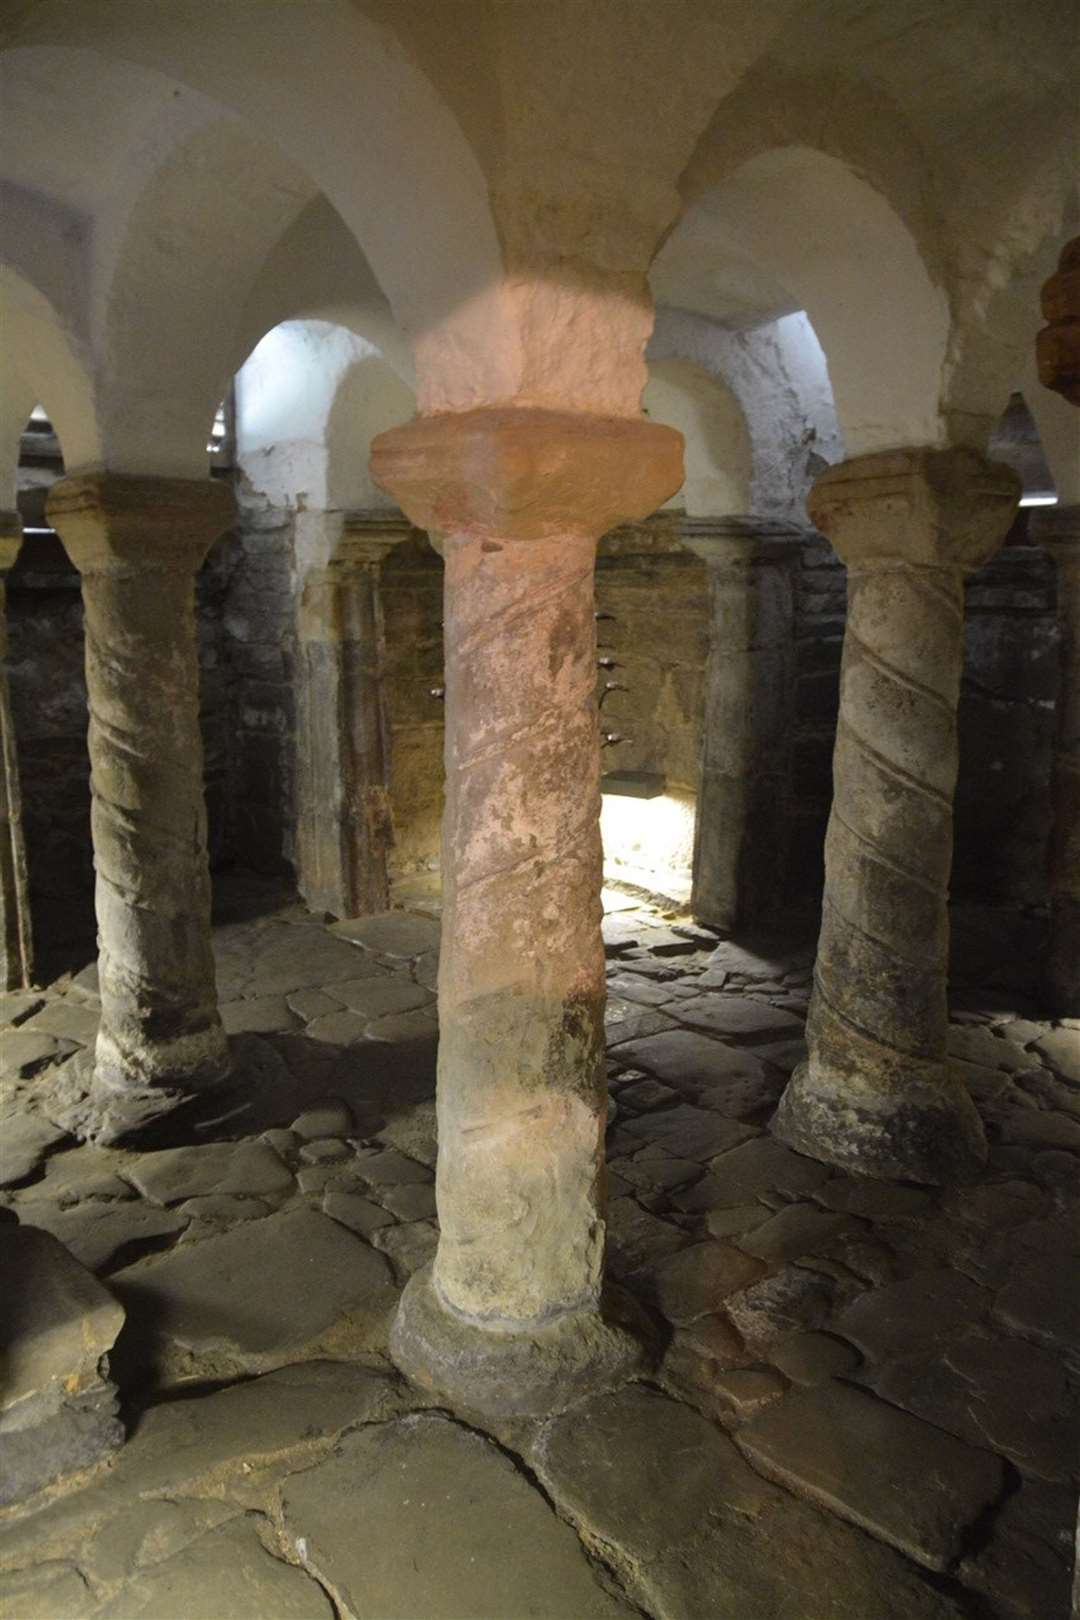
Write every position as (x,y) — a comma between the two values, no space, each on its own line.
(16,941)
(137,542)
(1058,529)
(509,1317)
(876,1095)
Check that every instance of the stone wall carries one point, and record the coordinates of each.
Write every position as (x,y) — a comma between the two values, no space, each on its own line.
(411,586)
(1011,678)
(820,607)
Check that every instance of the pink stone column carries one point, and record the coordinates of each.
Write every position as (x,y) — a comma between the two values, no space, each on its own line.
(877,1095)
(137,542)
(510,1316)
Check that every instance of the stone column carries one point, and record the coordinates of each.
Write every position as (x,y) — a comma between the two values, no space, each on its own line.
(877,1095)
(742,810)
(509,1318)
(137,542)
(1058,529)
(344,823)
(16,940)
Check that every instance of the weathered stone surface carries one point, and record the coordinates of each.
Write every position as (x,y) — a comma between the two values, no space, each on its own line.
(261,1015)
(482,1542)
(1025,1563)
(753,1552)
(310,1004)
(1042,1128)
(16,1006)
(57,1407)
(22,1049)
(872,1464)
(796,1230)
(608,1464)
(419,1025)
(686,1132)
(174,1174)
(25,1139)
(375,998)
(635,1237)
(67,1020)
(74,1174)
(213,1298)
(231,1562)
(813,1358)
(790,1302)
(414,1132)
(331,1117)
(338,1028)
(409,1246)
(730,1081)
(875,1200)
(975,1044)
(325,1150)
(723,1222)
(391,1168)
(903,1317)
(403,934)
(1061,1049)
(746,1390)
(45,1593)
(410,1201)
(737,1017)
(359,1214)
(697,1280)
(224,1208)
(103,1235)
(751,1169)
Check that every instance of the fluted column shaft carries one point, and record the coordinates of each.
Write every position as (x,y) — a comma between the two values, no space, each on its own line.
(877,1095)
(1058,529)
(345,825)
(748,715)
(137,542)
(520,498)
(16,937)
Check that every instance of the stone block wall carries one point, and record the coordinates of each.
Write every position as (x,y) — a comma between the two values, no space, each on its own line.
(411,590)
(1006,720)
(820,608)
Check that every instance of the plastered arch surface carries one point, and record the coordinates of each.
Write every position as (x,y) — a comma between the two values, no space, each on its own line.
(717,455)
(847,258)
(41,348)
(338,93)
(309,400)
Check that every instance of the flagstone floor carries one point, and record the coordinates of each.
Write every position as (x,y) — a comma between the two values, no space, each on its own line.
(866,1402)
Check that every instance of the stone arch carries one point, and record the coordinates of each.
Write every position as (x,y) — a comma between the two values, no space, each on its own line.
(836,245)
(42,350)
(310,398)
(337,92)
(717,455)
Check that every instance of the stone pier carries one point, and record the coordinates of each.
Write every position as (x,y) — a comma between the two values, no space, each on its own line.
(344,821)
(1058,529)
(876,1095)
(16,937)
(510,1316)
(748,723)
(137,542)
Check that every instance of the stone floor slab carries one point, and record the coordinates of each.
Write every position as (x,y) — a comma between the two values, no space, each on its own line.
(103,1235)
(402,934)
(696,1281)
(686,1132)
(25,1140)
(260,1294)
(423,1517)
(737,1017)
(247,1168)
(246,1581)
(873,1464)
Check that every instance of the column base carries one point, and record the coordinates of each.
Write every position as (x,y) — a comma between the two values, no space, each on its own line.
(529,1374)
(928,1133)
(97,1105)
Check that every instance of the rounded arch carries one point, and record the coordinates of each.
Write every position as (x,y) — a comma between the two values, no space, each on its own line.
(42,351)
(845,256)
(717,455)
(309,400)
(337,91)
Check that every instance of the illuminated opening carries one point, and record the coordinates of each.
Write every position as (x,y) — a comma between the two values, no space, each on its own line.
(649,842)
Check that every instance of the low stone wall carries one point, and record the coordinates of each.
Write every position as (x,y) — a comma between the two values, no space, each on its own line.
(411,588)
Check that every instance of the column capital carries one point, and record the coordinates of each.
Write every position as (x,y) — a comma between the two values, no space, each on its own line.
(370,537)
(1057,528)
(925,507)
(505,473)
(721,541)
(111,523)
(11,535)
